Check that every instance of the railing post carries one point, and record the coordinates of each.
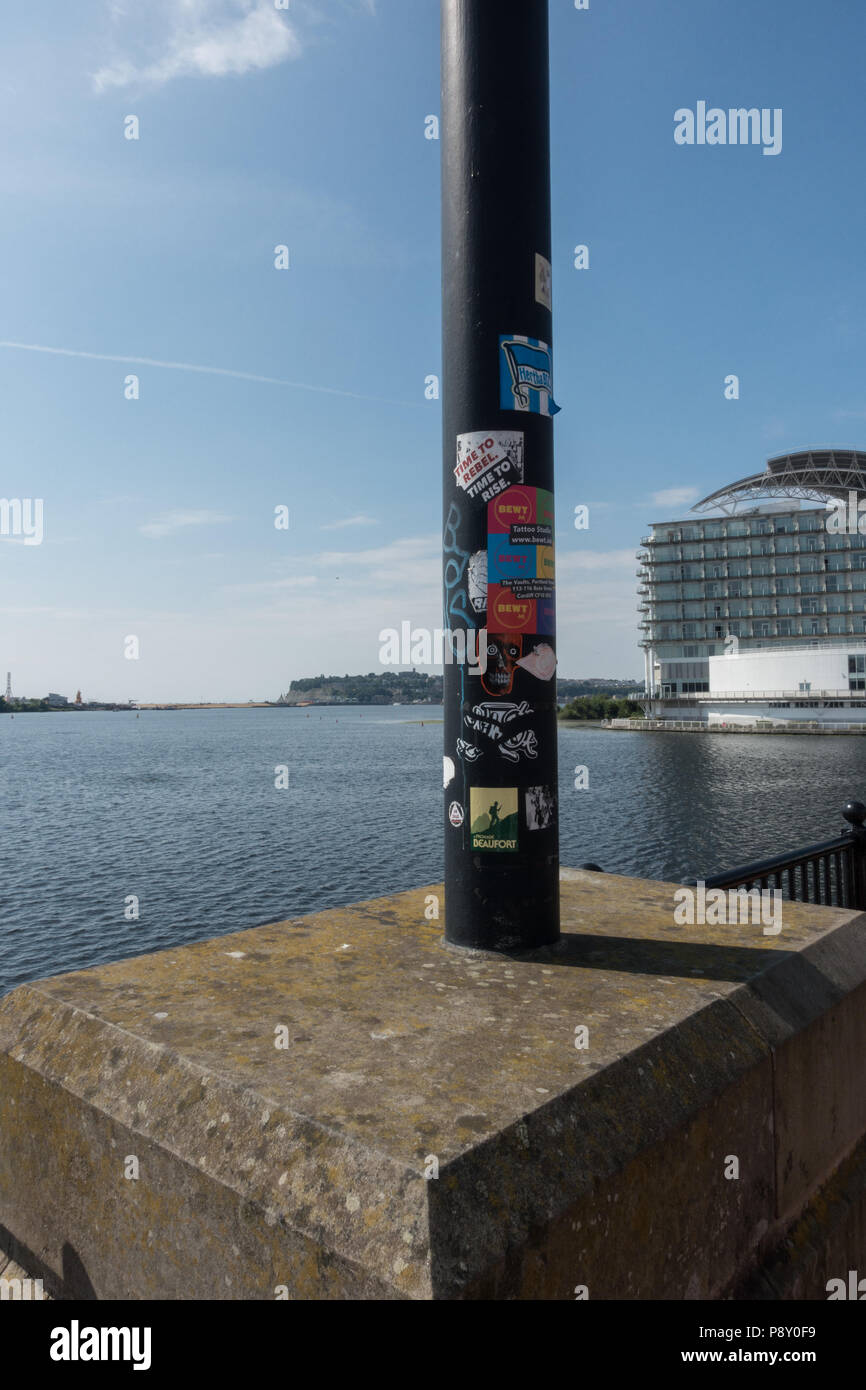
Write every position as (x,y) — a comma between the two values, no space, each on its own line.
(854,813)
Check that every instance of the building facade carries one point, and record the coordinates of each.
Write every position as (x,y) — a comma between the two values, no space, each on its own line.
(753,609)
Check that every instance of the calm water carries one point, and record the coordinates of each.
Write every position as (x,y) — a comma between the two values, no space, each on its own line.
(180,809)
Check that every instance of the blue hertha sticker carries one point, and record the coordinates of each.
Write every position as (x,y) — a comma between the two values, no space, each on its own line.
(525,375)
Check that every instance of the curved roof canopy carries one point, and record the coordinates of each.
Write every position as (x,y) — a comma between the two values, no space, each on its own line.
(812,475)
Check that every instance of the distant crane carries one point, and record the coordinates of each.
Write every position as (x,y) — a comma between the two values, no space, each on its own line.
(9,695)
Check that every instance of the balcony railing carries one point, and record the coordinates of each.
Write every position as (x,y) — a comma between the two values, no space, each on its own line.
(782,696)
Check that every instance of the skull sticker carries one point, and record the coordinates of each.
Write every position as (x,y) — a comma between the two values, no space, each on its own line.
(503,656)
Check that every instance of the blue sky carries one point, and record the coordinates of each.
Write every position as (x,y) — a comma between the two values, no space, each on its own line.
(305,127)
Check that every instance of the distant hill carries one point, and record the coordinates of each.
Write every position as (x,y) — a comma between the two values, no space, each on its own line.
(574,689)
(388,688)
(415,688)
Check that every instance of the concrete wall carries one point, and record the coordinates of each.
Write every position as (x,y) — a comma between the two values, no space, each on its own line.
(774,670)
(446,1124)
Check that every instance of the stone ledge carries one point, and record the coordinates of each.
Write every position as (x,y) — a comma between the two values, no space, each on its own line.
(304,1169)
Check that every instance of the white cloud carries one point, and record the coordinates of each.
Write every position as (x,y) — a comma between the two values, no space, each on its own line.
(351,593)
(607,560)
(178,521)
(350,521)
(205,38)
(675,497)
(405,567)
(334,604)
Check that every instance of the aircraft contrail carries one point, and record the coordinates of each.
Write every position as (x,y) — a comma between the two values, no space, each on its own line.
(208,371)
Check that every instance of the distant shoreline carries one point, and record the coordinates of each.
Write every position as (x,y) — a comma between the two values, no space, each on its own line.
(275,704)
(256,704)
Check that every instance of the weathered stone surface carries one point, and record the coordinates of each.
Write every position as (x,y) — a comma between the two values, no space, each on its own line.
(558,1167)
(825,1242)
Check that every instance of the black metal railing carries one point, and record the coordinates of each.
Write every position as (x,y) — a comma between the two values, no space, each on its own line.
(832,873)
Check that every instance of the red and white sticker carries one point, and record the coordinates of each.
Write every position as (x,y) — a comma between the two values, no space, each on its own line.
(456,814)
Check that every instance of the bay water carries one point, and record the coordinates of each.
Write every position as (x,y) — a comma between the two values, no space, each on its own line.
(177,815)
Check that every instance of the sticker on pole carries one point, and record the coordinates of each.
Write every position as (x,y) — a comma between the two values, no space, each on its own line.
(526,375)
(543,281)
(488,462)
(520,562)
(455,814)
(540,808)
(494,819)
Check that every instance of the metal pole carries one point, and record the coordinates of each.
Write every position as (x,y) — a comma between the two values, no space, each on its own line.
(501,799)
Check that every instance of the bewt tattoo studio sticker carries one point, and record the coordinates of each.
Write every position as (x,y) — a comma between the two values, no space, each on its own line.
(526,375)
(520,562)
(488,462)
(493,819)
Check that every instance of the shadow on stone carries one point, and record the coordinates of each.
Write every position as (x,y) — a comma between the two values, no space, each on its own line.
(73,1285)
(76,1283)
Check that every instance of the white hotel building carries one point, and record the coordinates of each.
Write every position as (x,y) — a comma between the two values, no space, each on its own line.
(753,610)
